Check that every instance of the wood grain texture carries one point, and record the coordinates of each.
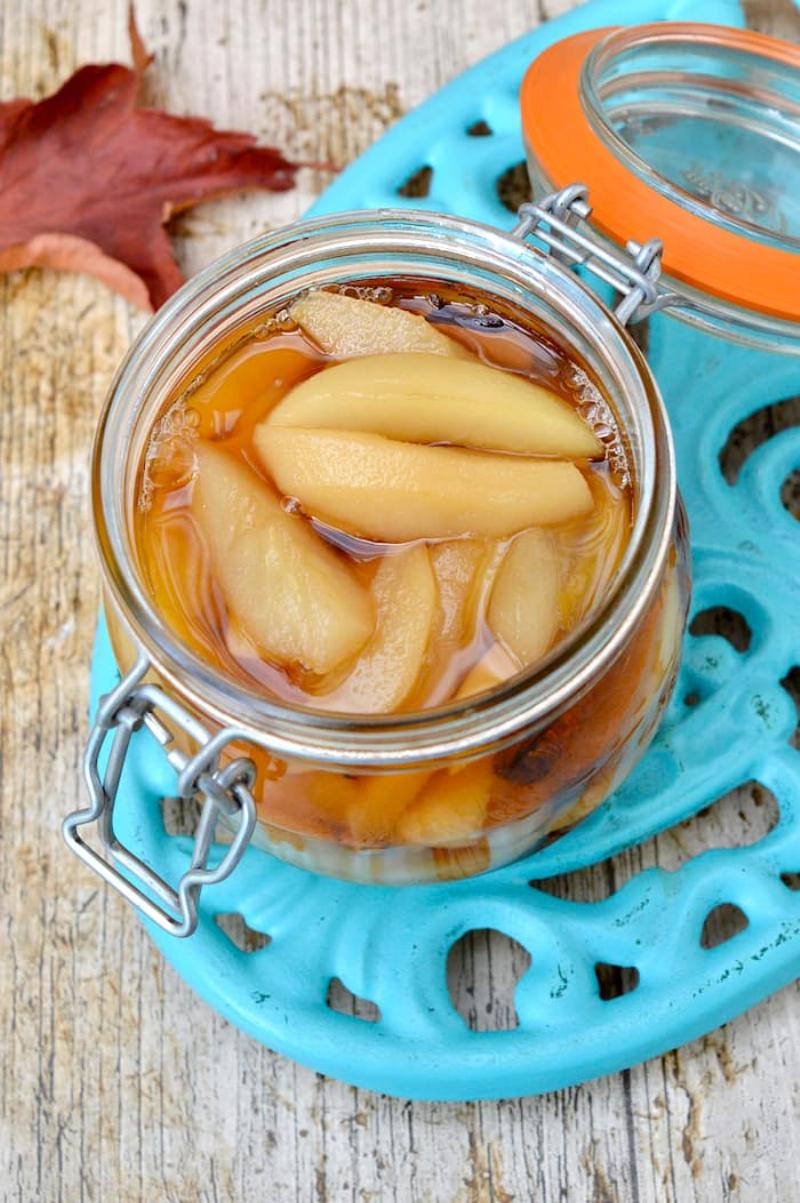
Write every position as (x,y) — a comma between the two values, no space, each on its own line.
(117,1085)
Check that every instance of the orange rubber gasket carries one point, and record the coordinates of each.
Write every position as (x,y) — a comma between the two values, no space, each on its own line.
(706,257)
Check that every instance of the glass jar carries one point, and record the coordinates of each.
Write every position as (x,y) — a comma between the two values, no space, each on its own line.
(530,757)
(692,132)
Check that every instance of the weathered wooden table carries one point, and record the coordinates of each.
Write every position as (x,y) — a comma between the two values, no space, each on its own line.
(116,1084)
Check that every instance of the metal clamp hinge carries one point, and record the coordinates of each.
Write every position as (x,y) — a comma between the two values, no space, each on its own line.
(554,221)
(227,791)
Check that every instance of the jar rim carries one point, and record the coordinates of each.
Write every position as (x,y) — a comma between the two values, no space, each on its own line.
(630,198)
(457,729)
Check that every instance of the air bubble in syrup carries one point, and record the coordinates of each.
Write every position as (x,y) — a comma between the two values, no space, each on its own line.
(593,407)
(169,456)
(379,294)
(284,320)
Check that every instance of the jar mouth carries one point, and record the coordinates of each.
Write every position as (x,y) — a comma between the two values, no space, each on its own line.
(642,86)
(258,277)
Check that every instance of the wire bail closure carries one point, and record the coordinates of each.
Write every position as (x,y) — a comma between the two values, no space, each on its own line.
(554,222)
(227,791)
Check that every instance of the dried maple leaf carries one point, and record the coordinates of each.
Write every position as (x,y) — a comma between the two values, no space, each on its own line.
(142,57)
(87,180)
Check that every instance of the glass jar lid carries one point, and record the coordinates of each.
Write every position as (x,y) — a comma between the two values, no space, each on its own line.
(685,132)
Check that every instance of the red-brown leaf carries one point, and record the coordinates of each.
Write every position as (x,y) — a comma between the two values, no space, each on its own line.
(142,57)
(87,180)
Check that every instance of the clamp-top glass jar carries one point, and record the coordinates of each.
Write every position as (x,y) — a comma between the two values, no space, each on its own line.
(329,791)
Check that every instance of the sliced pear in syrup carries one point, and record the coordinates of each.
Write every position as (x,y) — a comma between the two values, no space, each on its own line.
(381,800)
(343,326)
(379,488)
(524,609)
(451,808)
(425,398)
(290,593)
(494,667)
(383,676)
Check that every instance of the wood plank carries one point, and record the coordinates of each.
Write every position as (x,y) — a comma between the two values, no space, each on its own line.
(116,1083)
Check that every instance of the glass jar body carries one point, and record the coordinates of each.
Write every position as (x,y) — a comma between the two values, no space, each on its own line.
(455,791)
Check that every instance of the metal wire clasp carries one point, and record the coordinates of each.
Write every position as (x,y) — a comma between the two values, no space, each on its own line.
(226,791)
(553,221)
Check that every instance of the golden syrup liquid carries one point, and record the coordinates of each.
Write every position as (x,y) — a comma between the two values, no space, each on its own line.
(236,390)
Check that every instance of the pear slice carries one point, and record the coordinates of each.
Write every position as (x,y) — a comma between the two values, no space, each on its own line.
(524,609)
(425,398)
(396,492)
(405,596)
(494,666)
(455,566)
(290,593)
(460,567)
(591,551)
(381,800)
(451,808)
(344,326)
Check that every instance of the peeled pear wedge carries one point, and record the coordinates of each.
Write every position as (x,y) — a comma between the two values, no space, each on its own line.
(381,800)
(344,326)
(591,552)
(451,808)
(455,566)
(425,398)
(405,597)
(289,592)
(524,608)
(396,492)
(495,666)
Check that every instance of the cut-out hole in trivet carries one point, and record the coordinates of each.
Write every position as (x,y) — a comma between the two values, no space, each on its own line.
(345,1002)
(640,333)
(514,187)
(245,938)
(418,183)
(483,969)
(591,883)
(723,621)
(615,980)
(778,18)
(790,494)
(180,815)
(480,129)
(791,880)
(722,924)
(692,699)
(791,683)
(738,819)
(755,430)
